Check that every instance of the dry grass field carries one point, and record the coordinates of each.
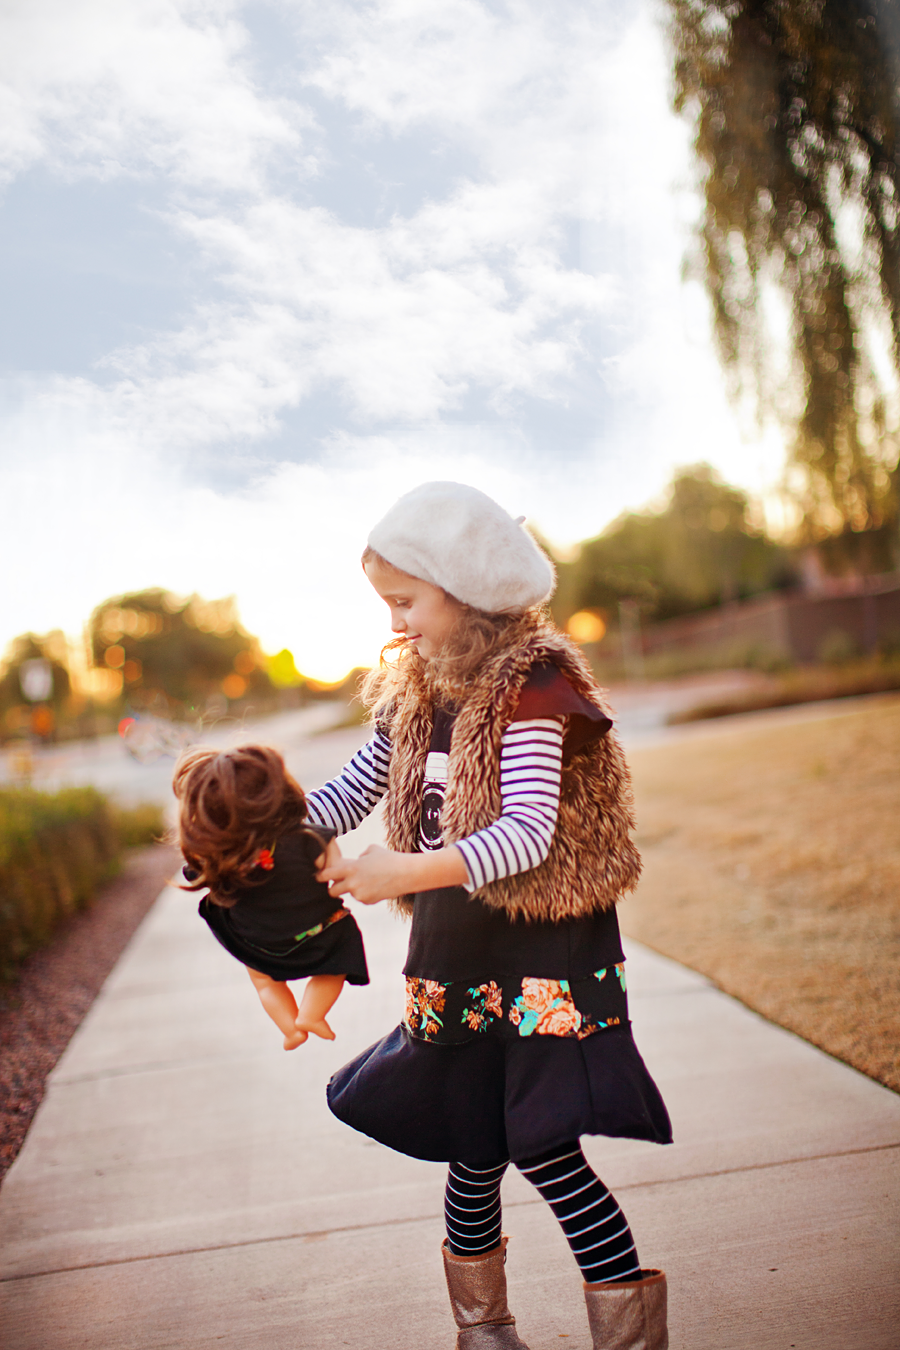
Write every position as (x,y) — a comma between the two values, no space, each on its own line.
(772,865)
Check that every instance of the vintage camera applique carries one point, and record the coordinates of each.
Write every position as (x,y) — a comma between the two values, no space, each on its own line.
(434,789)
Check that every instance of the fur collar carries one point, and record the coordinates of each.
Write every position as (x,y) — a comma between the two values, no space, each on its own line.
(592,859)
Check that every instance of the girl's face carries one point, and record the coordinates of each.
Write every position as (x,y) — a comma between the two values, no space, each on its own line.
(421,612)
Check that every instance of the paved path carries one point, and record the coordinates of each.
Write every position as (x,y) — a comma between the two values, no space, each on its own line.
(185,1187)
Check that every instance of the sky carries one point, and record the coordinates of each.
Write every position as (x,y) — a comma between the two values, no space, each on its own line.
(268,265)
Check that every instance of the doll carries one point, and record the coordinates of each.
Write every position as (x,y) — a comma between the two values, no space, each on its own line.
(245,836)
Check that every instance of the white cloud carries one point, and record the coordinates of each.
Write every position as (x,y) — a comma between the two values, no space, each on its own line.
(404,320)
(100,516)
(387,316)
(462,65)
(476,292)
(468,292)
(567,104)
(105,87)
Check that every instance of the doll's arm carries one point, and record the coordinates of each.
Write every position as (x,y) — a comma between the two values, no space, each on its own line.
(379,874)
(329,858)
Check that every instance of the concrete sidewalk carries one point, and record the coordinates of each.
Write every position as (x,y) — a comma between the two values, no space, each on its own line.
(184,1184)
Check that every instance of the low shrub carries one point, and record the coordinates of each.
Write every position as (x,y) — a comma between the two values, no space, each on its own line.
(138,825)
(838,648)
(805,684)
(56,849)
(740,654)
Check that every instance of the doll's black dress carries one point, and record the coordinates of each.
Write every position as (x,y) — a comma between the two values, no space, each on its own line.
(286,925)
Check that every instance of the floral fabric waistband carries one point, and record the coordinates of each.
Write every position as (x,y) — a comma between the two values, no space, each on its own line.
(449,1014)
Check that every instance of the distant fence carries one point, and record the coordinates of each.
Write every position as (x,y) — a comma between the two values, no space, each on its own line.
(859,616)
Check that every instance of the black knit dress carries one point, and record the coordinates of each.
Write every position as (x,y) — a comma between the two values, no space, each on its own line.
(516,1036)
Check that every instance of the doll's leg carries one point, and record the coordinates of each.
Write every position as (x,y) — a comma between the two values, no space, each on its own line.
(319,997)
(280,1004)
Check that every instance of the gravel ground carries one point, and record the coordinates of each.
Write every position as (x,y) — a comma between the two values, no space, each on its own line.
(56,986)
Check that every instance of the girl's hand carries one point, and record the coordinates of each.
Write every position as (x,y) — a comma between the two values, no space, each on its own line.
(376,875)
(379,874)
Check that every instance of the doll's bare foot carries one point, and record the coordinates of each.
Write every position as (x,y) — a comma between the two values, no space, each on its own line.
(320,1028)
(296,1037)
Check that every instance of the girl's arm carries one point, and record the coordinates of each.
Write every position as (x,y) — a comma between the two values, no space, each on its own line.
(346,801)
(530,770)
(378,874)
(530,767)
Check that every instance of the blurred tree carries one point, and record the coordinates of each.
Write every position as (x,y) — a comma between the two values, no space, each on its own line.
(798,130)
(175,654)
(700,550)
(18,714)
(283,672)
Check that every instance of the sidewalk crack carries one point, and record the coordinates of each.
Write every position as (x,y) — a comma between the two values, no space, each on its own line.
(319,1234)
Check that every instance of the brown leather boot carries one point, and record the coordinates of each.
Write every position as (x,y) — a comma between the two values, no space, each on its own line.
(629,1316)
(477,1288)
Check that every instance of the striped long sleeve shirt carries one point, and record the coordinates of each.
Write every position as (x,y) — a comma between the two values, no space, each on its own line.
(530,766)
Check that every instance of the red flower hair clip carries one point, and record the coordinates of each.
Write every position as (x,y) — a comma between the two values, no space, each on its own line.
(266,859)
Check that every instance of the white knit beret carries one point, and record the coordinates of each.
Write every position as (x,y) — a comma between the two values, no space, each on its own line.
(459,539)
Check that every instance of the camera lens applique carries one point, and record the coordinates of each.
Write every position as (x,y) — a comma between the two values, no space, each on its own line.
(434,789)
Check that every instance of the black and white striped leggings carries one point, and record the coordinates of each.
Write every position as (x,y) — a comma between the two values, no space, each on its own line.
(595,1227)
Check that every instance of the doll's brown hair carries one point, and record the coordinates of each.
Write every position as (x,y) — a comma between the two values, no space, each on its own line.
(231,804)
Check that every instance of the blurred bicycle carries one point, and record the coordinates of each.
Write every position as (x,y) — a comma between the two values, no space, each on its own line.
(148,738)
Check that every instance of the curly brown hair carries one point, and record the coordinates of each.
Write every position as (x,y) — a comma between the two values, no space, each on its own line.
(231,804)
(444,678)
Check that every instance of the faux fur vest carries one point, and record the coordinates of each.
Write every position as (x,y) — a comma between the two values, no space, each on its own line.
(592,859)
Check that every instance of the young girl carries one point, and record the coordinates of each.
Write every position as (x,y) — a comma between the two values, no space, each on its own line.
(508,814)
(243,830)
